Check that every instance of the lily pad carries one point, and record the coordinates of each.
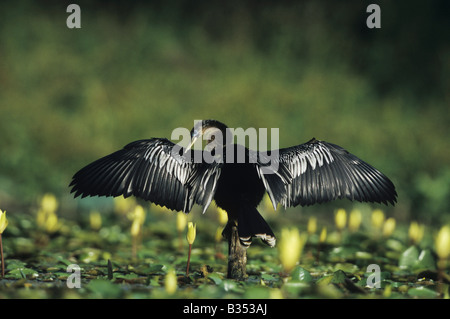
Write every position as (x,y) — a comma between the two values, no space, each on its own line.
(408,258)
(104,288)
(426,260)
(22,272)
(422,292)
(339,277)
(300,274)
(215,278)
(411,259)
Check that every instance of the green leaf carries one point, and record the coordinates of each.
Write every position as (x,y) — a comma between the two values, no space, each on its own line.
(270,277)
(215,278)
(257,293)
(300,274)
(408,258)
(126,276)
(425,260)
(14,263)
(411,259)
(325,280)
(346,267)
(422,292)
(231,286)
(102,288)
(363,255)
(20,273)
(339,277)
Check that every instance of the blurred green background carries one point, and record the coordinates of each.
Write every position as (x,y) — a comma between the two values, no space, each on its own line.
(311,68)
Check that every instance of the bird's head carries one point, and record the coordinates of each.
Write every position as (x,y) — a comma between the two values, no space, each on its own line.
(214,132)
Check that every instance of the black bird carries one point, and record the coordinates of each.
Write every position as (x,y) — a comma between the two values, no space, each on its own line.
(162,172)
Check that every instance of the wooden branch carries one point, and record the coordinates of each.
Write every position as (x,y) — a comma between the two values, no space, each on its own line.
(237,256)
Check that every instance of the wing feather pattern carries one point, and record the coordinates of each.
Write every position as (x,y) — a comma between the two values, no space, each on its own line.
(318,172)
(151,170)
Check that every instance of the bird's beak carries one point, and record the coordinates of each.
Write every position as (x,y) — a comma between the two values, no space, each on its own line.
(194,139)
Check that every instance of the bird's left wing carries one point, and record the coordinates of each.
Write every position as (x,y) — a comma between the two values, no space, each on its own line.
(319,172)
(153,170)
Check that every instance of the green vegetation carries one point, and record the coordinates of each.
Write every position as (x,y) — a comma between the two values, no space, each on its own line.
(115,261)
(138,71)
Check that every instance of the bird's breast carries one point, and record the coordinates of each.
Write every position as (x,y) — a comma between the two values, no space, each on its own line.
(239,185)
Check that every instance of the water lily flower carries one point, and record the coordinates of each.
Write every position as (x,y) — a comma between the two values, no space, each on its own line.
(181,225)
(323,235)
(377,218)
(138,217)
(312,225)
(190,238)
(95,220)
(3,221)
(290,248)
(223,216)
(170,282)
(340,219)
(443,243)
(48,221)
(122,205)
(3,225)
(354,220)
(49,203)
(218,236)
(46,217)
(52,223)
(388,227)
(416,232)
(191,233)
(181,221)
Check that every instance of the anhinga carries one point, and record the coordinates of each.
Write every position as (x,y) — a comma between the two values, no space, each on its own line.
(162,172)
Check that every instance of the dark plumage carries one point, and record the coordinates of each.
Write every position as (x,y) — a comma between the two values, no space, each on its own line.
(159,171)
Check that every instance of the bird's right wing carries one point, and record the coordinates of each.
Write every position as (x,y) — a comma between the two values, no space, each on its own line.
(153,170)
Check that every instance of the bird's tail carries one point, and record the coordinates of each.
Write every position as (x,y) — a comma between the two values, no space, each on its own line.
(252,224)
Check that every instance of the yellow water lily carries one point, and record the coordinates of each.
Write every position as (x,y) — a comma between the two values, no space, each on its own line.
(3,225)
(416,232)
(443,243)
(222,215)
(377,218)
(170,282)
(3,221)
(191,233)
(48,221)
(389,227)
(181,221)
(138,217)
(312,225)
(340,218)
(190,236)
(354,220)
(46,217)
(323,235)
(122,205)
(218,236)
(95,220)
(290,248)
(49,203)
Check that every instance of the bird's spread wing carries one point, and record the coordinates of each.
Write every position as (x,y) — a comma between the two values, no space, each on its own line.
(273,174)
(321,172)
(152,170)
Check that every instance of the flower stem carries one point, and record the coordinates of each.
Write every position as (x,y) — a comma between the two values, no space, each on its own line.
(189,260)
(1,252)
